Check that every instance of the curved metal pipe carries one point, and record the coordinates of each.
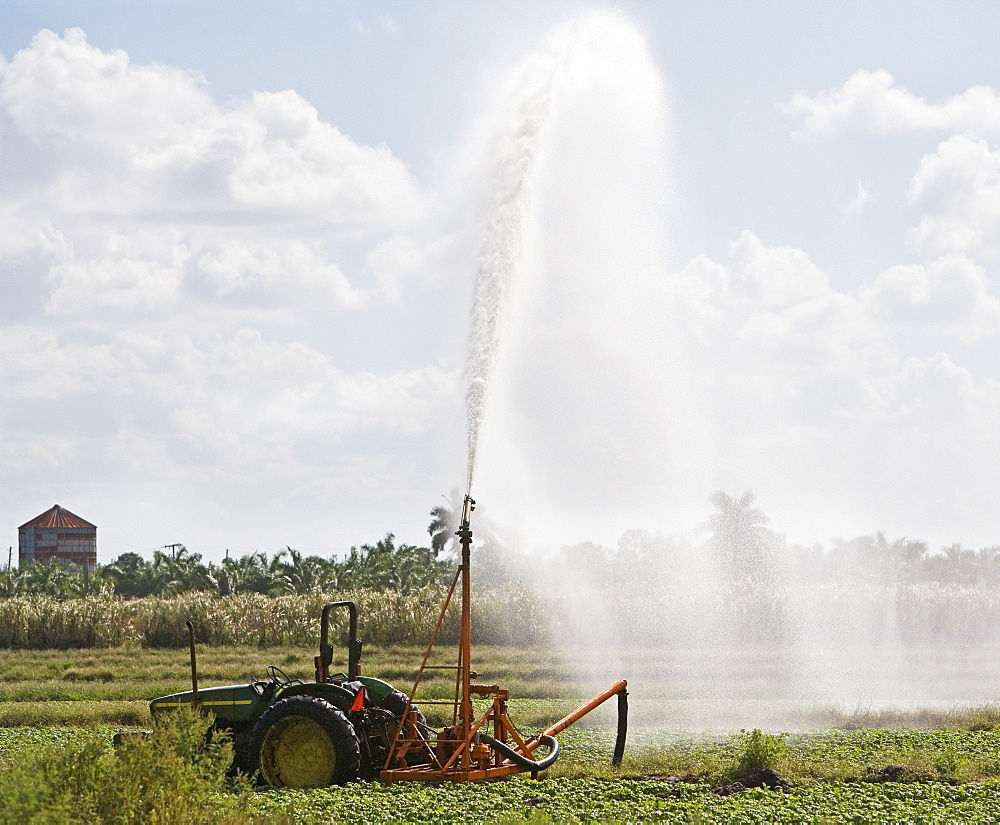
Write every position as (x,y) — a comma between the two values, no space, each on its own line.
(523,761)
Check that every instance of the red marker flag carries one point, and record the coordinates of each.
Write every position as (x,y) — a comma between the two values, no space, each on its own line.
(359,700)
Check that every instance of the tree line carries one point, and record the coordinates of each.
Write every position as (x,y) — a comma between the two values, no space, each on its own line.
(382,566)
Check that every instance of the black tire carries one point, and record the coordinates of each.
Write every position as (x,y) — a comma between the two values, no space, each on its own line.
(304,741)
(396,703)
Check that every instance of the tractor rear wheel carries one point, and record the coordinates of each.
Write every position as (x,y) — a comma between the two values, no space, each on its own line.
(397,702)
(302,741)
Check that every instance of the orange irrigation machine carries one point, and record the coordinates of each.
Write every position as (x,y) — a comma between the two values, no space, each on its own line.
(478,744)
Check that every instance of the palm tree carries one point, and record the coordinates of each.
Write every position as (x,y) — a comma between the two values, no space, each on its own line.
(301,574)
(181,572)
(249,573)
(131,575)
(388,566)
(739,536)
(444,522)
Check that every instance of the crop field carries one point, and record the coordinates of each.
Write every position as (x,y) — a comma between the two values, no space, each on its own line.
(59,710)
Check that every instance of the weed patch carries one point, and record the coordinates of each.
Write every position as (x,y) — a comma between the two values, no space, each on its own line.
(174,775)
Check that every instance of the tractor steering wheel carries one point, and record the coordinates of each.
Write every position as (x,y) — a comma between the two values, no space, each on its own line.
(278,676)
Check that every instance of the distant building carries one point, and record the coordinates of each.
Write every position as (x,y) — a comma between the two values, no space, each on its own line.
(57,534)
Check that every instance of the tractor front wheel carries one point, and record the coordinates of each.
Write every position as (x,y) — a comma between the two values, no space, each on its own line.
(302,741)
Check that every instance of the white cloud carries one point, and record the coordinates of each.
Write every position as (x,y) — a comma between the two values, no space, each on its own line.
(143,171)
(61,88)
(871,102)
(862,197)
(957,191)
(292,270)
(386,23)
(769,321)
(116,284)
(951,294)
(154,133)
(402,259)
(287,159)
(402,403)
(389,24)
(237,401)
(777,276)
(47,451)
(766,328)
(36,364)
(764,295)
(928,393)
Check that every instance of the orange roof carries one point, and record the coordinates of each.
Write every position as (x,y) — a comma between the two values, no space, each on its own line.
(58,517)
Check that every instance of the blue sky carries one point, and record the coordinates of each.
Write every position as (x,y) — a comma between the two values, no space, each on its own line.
(239,243)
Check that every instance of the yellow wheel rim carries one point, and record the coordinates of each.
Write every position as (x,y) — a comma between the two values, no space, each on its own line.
(297,752)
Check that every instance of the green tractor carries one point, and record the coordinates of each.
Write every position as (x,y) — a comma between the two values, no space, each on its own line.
(295,734)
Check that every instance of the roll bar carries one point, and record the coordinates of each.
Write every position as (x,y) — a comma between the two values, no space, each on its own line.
(325,658)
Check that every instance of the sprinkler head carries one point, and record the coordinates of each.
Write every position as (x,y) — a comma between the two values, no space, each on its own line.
(465,530)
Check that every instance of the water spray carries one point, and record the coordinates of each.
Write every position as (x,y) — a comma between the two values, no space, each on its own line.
(500,253)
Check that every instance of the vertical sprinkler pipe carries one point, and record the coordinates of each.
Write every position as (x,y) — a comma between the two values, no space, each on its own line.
(464,534)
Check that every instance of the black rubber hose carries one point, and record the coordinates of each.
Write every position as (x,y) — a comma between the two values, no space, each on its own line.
(523,761)
(616,760)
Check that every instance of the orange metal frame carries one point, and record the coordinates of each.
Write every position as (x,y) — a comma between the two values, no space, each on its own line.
(458,755)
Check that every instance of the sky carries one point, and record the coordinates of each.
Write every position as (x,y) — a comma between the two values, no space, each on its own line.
(239,244)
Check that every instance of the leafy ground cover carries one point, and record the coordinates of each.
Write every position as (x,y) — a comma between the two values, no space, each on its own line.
(563,800)
(519,799)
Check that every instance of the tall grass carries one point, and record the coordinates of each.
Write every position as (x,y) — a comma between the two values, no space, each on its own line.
(667,612)
(506,616)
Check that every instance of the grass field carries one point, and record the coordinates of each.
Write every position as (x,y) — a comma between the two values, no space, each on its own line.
(106,686)
(54,704)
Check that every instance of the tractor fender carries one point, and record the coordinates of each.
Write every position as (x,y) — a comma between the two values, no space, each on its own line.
(376,688)
(339,697)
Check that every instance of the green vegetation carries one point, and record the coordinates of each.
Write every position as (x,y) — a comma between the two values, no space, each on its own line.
(759,751)
(71,775)
(174,776)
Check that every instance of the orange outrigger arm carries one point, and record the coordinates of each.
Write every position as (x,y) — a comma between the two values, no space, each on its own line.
(618,689)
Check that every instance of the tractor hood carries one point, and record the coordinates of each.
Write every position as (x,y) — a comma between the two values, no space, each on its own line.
(237,703)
